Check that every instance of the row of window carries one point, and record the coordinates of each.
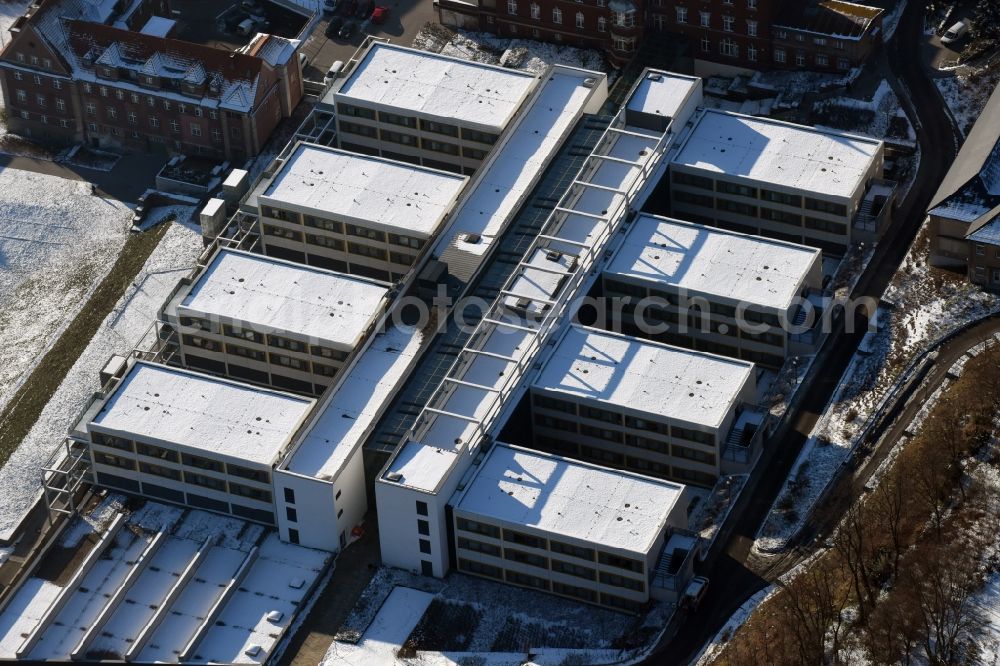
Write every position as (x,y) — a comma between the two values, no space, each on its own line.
(349,110)
(677,432)
(818,40)
(290,362)
(728,22)
(184,476)
(356,249)
(819,59)
(405,139)
(249,335)
(751,192)
(344,229)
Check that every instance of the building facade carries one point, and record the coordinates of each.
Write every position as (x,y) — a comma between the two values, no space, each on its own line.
(272,322)
(716,291)
(193,440)
(354,213)
(790,182)
(448,118)
(67,77)
(663,429)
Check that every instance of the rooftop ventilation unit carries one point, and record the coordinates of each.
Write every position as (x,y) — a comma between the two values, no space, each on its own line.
(654,76)
(589,82)
(395,477)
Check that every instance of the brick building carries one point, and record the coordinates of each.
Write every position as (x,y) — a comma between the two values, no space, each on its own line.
(613,26)
(72,72)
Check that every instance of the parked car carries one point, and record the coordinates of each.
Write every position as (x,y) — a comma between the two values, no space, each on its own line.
(334,26)
(380,14)
(364,9)
(348,30)
(333,72)
(955,32)
(695,592)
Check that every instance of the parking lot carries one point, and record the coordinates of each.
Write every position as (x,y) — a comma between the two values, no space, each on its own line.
(214,24)
(404,21)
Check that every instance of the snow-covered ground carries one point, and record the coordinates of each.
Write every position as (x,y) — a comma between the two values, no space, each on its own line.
(134,313)
(966,93)
(890,21)
(523,54)
(881,116)
(57,242)
(396,618)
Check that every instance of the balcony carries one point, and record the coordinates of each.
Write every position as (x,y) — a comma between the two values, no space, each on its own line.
(743,442)
(806,331)
(873,213)
(675,567)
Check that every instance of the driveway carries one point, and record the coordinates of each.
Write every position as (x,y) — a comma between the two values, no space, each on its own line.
(406,18)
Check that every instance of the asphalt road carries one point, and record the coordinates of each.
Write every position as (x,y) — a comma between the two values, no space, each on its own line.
(735,574)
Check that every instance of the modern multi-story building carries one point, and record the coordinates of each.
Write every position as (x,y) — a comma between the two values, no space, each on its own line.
(272,322)
(658,410)
(190,439)
(84,71)
(352,213)
(771,178)
(426,108)
(715,290)
(613,27)
(577,530)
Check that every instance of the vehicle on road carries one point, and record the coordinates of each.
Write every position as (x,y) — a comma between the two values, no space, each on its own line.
(334,26)
(695,592)
(380,14)
(348,30)
(955,32)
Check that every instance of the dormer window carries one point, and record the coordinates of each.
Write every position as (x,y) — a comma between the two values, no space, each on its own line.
(106,72)
(149,80)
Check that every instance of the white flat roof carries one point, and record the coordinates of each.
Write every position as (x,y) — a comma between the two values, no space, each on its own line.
(606,507)
(157,403)
(416,81)
(158,26)
(643,376)
(778,153)
(661,93)
(706,260)
(501,187)
(339,428)
(374,191)
(268,294)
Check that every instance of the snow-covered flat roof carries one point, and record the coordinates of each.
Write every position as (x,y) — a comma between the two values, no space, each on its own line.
(503,183)
(439,86)
(705,260)
(341,423)
(646,377)
(778,153)
(273,295)
(609,508)
(661,93)
(157,403)
(158,26)
(372,191)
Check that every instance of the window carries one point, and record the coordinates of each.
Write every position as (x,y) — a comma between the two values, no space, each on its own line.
(421,508)
(545,402)
(293,536)
(91,126)
(512,6)
(201,463)
(569,549)
(706,19)
(692,435)
(290,495)
(246,491)
(57,84)
(843,64)
(522,557)
(197,112)
(423,527)
(579,20)
(175,127)
(623,44)
(258,475)
(216,135)
(151,101)
(619,562)
(736,188)
(751,4)
(90,108)
(60,104)
(366,251)
(779,55)
(826,225)
(682,14)
(195,129)
(621,581)
(479,546)
(20,57)
(288,362)
(291,514)
(86,88)
(728,47)
(800,59)
(752,52)
(602,24)
(727,23)
(214,115)
(536,11)
(556,15)
(600,415)
(752,28)
(479,568)
(154,122)
(104,91)
(114,461)
(203,481)
(112,113)
(826,207)
(625,19)
(120,94)
(822,60)
(159,470)
(166,105)
(156,452)
(485,529)
(18,76)
(523,539)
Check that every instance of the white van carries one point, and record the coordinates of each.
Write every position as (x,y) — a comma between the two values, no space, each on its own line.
(245,27)
(955,32)
(334,70)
